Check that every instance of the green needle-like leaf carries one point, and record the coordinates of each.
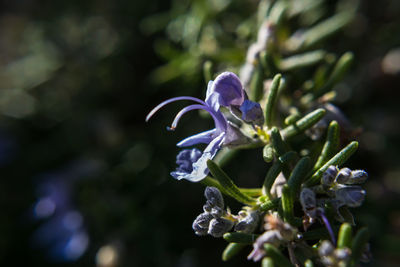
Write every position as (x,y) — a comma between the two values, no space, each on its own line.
(268,153)
(237,237)
(302,60)
(269,180)
(287,204)
(231,250)
(271,100)
(287,157)
(337,160)
(267,262)
(253,192)
(269,204)
(340,69)
(225,155)
(331,145)
(359,242)
(228,184)
(292,118)
(278,258)
(320,32)
(345,236)
(303,124)
(208,181)
(277,142)
(298,174)
(257,83)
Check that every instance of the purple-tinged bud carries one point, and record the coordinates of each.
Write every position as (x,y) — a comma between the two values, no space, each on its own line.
(329,175)
(249,223)
(198,230)
(343,176)
(207,207)
(214,196)
(200,224)
(252,112)
(357,177)
(351,196)
(219,226)
(308,202)
(217,212)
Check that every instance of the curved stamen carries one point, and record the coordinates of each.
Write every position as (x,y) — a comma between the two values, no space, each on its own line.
(154,110)
(327,225)
(219,120)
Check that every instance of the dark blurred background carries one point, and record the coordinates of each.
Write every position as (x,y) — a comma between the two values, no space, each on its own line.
(85,181)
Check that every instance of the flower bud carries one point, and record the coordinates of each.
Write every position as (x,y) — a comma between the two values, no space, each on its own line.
(207,207)
(214,197)
(217,212)
(308,202)
(343,176)
(219,226)
(357,177)
(249,223)
(329,175)
(200,224)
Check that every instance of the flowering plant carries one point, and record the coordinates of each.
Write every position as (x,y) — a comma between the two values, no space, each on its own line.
(300,215)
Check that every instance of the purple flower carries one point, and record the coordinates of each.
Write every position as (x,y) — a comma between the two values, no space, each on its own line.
(226,91)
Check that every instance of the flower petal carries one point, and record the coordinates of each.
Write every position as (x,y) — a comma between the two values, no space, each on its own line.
(228,88)
(200,169)
(200,138)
